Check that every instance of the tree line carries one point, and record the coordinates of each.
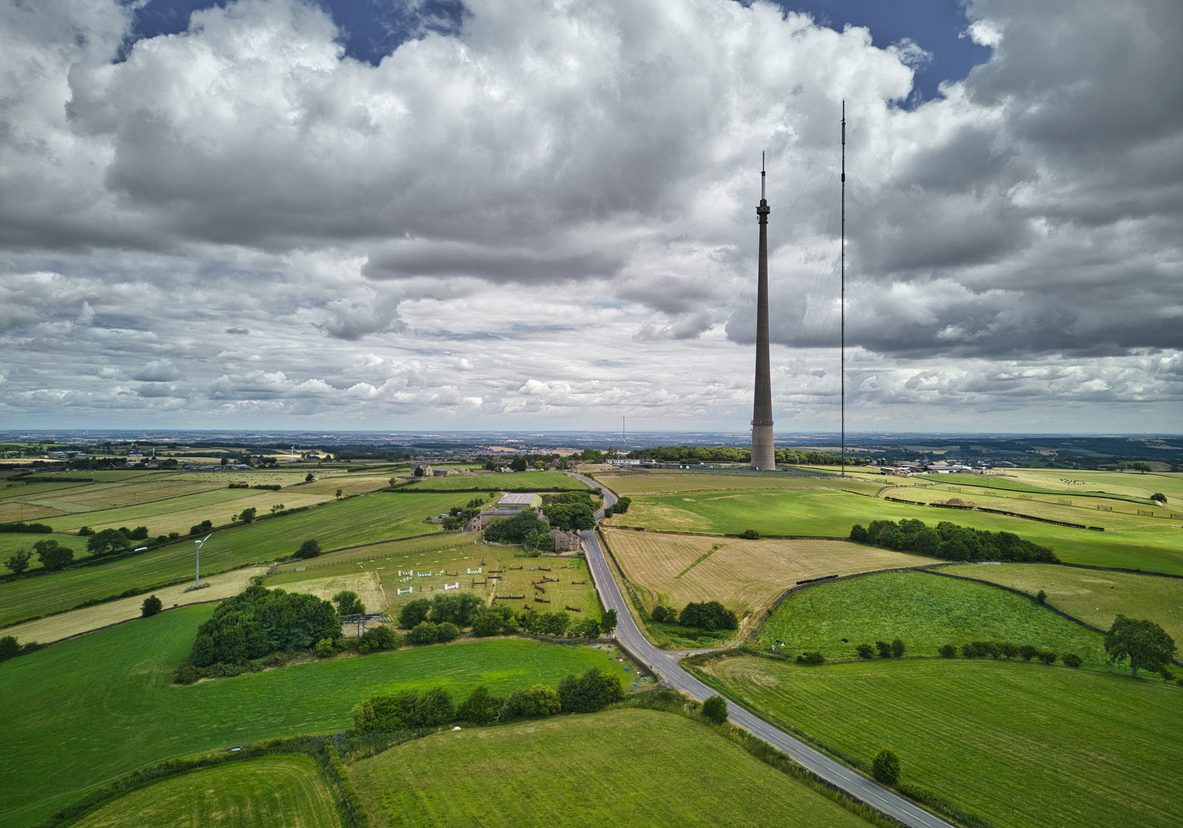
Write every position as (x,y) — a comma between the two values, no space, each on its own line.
(420,709)
(739,454)
(701,615)
(951,542)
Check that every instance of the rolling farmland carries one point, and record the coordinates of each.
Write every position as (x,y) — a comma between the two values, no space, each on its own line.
(743,575)
(925,611)
(343,523)
(1091,595)
(1018,744)
(257,793)
(593,769)
(106,705)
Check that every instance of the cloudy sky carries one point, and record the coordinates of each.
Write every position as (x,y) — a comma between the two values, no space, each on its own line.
(522,214)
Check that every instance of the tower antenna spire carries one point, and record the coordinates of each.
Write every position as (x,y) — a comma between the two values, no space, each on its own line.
(763,448)
(842,301)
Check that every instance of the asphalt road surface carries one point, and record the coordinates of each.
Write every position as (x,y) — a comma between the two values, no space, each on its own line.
(664,665)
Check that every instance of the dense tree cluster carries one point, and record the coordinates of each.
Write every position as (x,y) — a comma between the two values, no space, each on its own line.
(619,507)
(26,528)
(950,542)
(708,615)
(412,709)
(570,510)
(516,529)
(259,621)
(738,454)
(464,609)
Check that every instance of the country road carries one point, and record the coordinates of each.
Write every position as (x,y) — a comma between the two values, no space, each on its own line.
(665,666)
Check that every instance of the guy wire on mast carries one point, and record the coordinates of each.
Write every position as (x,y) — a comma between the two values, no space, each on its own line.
(842,300)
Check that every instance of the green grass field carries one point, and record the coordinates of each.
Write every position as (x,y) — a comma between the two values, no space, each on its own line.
(80,713)
(619,767)
(256,793)
(1017,744)
(342,523)
(10,542)
(925,611)
(374,570)
(827,510)
(1091,595)
(540,481)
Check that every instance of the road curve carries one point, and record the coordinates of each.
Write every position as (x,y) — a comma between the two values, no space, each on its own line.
(665,666)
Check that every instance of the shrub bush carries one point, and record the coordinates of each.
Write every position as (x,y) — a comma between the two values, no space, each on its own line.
(811,658)
(413,613)
(590,692)
(663,615)
(376,639)
(532,703)
(884,649)
(325,648)
(151,606)
(481,707)
(308,549)
(750,534)
(428,632)
(1047,657)
(1071,660)
(886,767)
(948,651)
(897,648)
(1041,597)
(714,709)
(865,651)
(1028,652)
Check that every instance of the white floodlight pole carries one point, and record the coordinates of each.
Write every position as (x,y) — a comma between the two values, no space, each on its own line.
(197,575)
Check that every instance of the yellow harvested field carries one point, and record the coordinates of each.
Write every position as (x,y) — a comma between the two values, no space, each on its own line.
(366,584)
(88,619)
(746,576)
(353,484)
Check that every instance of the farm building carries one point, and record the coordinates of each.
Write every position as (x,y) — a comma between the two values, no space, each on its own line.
(520,502)
(565,541)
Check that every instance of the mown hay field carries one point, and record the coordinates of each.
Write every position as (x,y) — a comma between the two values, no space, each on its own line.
(1091,595)
(743,575)
(78,714)
(87,619)
(1156,546)
(925,611)
(538,481)
(348,522)
(255,793)
(1107,512)
(177,514)
(1017,744)
(618,767)
(667,482)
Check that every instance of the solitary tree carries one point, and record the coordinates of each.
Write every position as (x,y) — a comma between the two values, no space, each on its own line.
(19,561)
(714,709)
(308,549)
(348,603)
(151,606)
(248,515)
(886,767)
(1159,498)
(1144,643)
(308,478)
(608,621)
(53,555)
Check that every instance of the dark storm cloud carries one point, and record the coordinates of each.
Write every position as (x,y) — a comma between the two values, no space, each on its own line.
(422,258)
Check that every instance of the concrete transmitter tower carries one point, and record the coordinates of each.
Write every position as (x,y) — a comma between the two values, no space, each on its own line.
(763,452)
